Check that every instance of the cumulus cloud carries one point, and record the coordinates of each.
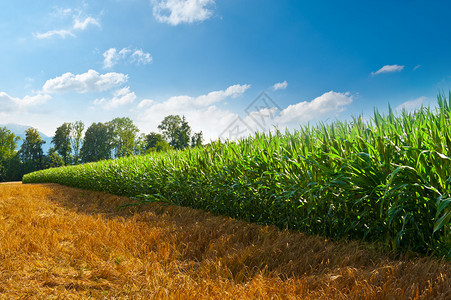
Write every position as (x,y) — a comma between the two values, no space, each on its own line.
(266,117)
(233,91)
(90,81)
(203,114)
(6,102)
(324,105)
(185,102)
(200,111)
(388,69)
(174,12)
(33,100)
(9,103)
(137,56)
(412,104)
(146,103)
(211,120)
(120,97)
(280,86)
(262,120)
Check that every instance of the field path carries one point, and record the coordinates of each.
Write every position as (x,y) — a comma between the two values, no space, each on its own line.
(64,243)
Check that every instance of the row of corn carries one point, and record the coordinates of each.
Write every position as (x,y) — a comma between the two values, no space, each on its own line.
(386,181)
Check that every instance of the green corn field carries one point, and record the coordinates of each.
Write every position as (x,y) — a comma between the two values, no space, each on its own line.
(386,180)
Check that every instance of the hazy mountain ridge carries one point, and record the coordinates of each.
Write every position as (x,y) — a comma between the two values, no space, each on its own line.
(19,130)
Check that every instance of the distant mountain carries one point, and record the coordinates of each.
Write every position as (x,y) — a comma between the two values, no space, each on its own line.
(19,130)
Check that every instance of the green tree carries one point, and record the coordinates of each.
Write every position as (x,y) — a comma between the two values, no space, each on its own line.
(14,168)
(176,130)
(8,145)
(31,152)
(53,159)
(76,137)
(97,143)
(123,136)
(183,134)
(169,128)
(140,144)
(155,142)
(197,139)
(62,142)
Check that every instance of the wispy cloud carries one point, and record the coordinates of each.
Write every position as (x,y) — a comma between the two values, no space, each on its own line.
(120,97)
(60,33)
(80,22)
(90,81)
(110,58)
(388,69)
(141,57)
(416,67)
(137,56)
(280,86)
(175,12)
(61,12)
(412,104)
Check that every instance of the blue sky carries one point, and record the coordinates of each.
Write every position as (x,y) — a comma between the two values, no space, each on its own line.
(210,60)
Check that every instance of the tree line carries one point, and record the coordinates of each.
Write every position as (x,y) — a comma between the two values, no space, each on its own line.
(73,145)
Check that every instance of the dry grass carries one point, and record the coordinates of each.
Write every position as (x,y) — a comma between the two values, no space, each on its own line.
(64,243)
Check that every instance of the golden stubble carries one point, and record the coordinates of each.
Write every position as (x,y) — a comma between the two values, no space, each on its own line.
(64,243)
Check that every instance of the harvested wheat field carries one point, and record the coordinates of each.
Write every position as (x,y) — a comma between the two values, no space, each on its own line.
(65,243)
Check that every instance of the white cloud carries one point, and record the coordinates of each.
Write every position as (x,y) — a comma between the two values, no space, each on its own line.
(33,100)
(199,111)
(61,33)
(202,113)
(79,22)
(233,91)
(145,103)
(303,112)
(124,52)
(388,69)
(141,57)
(412,104)
(267,118)
(9,103)
(175,12)
(186,102)
(6,102)
(111,57)
(211,120)
(90,81)
(280,86)
(83,24)
(416,67)
(120,97)
(61,12)
(262,120)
